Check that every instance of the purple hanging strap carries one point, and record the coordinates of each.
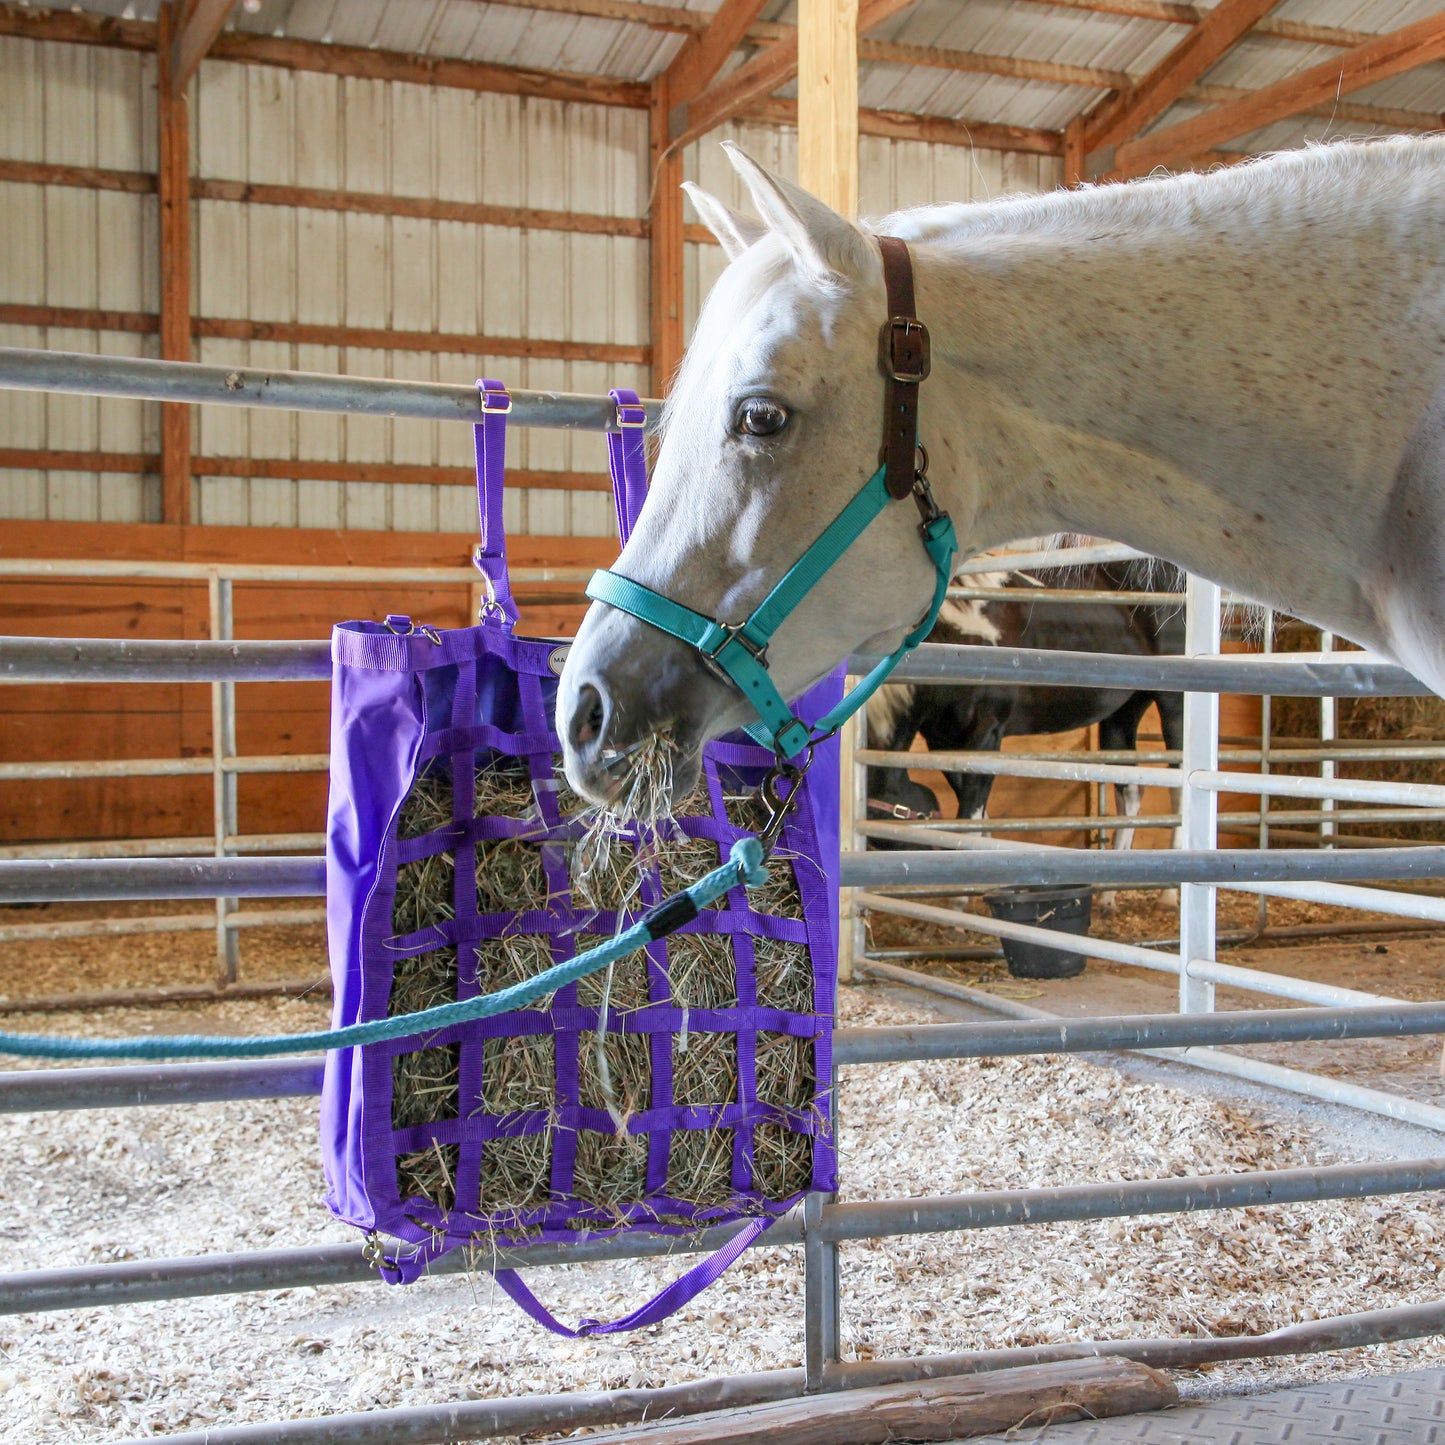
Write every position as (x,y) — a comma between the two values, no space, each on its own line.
(489,556)
(627,459)
(665,1302)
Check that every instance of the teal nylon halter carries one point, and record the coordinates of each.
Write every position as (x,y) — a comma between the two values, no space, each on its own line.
(738,651)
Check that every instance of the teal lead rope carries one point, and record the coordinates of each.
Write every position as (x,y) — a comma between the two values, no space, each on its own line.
(744,865)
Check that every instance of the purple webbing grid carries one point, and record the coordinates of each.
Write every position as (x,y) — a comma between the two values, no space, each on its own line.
(566,1021)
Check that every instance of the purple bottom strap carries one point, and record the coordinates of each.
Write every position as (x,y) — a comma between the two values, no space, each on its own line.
(665,1302)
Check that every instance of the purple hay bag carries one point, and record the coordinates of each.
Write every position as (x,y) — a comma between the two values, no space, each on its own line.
(402,699)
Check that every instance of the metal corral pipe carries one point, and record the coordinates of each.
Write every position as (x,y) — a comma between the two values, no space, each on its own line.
(1052,1035)
(164,847)
(140,997)
(29,659)
(1281,985)
(140,1281)
(1049,557)
(37,1090)
(1027,864)
(1077,596)
(1014,766)
(996,1208)
(432,1424)
(105,659)
(167,923)
(1340,895)
(1129,954)
(163,767)
(1337,1332)
(1339,751)
(1307,674)
(144,1280)
(1311,1086)
(68,880)
(1350,790)
(41,1090)
(1126,953)
(56,880)
(78,373)
(62,567)
(510,1416)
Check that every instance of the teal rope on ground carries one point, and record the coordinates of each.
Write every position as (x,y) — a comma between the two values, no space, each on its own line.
(744,865)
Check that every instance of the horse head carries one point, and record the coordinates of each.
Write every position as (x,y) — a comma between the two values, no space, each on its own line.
(773,425)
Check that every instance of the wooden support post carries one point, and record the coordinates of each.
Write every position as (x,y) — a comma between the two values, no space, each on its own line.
(174,187)
(1074,152)
(828,102)
(665,252)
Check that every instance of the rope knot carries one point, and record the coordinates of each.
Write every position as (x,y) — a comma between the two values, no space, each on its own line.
(747,854)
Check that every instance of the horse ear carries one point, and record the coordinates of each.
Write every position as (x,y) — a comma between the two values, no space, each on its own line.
(816,234)
(734,232)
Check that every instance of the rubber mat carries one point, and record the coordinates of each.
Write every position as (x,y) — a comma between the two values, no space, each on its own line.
(1383,1410)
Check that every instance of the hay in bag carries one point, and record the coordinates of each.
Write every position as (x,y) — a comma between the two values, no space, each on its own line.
(685,1086)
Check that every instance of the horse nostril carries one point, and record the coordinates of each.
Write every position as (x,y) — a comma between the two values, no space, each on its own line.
(588,717)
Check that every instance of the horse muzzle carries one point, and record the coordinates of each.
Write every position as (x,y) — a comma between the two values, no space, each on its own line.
(624,687)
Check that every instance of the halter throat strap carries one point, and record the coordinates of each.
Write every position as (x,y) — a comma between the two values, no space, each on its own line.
(737,652)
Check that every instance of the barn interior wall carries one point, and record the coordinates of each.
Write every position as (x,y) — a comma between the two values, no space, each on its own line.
(95,249)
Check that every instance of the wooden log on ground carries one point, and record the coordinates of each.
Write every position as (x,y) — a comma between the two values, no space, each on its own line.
(947,1409)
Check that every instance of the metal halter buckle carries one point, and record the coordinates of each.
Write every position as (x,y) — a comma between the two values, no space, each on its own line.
(904,352)
(630,416)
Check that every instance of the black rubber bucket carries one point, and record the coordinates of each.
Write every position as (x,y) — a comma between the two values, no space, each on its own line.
(1066,909)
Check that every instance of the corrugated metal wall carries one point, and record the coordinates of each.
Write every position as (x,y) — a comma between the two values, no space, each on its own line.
(63,246)
(66,246)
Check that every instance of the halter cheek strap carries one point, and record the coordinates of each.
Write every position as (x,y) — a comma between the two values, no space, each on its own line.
(738,651)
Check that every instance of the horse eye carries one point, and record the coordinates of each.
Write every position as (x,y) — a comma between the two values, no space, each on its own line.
(760,417)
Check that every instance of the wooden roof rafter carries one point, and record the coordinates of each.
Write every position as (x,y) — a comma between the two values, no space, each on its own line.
(197,24)
(1378,59)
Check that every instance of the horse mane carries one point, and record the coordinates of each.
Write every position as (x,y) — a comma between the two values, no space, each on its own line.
(1179,202)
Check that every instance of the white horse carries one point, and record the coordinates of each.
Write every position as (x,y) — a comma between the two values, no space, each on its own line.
(1242,372)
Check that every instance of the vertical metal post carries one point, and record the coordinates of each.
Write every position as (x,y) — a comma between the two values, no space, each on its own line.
(853,803)
(1199,806)
(225,816)
(1266,732)
(1329,713)
(820,1296)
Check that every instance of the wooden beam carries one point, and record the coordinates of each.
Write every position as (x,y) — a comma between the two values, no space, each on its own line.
(526,218)
(44,459)
(762,75)
(380,339)
(303,334)
(937,129)
(203,22)
(355,60)
(665,251)
(1075,152)
(951,1408)
(828,102)
(698,62)
(173,183)
(95,178)
(1391,54)
(1127,112)
(78,28)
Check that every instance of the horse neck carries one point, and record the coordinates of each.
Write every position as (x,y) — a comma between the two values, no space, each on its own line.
(1152,384)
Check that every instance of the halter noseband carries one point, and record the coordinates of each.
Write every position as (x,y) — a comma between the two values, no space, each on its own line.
(737,651)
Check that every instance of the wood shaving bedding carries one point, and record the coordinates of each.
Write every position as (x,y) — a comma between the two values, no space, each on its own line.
(90,1187)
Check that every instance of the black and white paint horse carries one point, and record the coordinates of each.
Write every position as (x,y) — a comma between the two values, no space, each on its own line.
(978,718)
